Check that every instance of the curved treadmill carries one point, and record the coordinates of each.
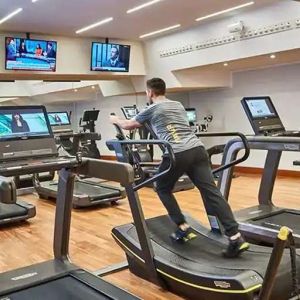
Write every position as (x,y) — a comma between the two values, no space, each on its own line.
(197,269)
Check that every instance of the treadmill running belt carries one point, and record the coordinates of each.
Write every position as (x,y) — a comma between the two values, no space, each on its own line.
(81,188)
(203,251)
(66,288)
(11,210)
(281,219)
(94,191)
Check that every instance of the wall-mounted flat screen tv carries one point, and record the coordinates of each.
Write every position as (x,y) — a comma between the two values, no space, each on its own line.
(110,57)
(30,55)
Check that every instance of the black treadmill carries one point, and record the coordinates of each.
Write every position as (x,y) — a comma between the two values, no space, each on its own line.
(87,192)
(35,152)
(197,270)
(272,137)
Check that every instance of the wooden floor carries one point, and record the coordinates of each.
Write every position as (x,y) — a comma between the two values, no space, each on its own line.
(92,246)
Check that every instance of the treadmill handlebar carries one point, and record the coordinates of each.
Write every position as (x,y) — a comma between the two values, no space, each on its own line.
(123,143)
(283,237)
(226,134)
(122,173)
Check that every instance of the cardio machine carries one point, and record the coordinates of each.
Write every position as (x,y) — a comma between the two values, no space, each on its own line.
(196,269)
(87,191)
(270,135)
(145,153)
(13,209)
(35,152)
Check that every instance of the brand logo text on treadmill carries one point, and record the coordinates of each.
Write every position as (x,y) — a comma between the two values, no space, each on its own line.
(28,275)
(222,284)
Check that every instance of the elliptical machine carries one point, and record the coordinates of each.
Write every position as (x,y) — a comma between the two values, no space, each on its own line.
(89,118)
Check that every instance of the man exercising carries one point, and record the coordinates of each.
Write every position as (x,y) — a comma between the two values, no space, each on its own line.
(169,121)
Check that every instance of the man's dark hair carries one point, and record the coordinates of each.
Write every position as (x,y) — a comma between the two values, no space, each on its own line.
(157,85)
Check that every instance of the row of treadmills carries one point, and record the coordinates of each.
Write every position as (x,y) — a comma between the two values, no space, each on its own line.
(88,192)
(194,270)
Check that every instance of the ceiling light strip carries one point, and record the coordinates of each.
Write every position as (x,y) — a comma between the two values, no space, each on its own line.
(102,22)
(143,6)
(15,12)
(225,11)
(160,31)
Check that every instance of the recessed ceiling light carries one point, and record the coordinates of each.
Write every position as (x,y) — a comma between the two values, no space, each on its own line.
(225,64)
(272,56)
(94,25)
(75,90)
(93,87)
(159,31)
(15,12)
(225,11)
(33,1)
(129,11)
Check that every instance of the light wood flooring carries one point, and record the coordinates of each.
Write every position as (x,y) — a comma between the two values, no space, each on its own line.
(92,246)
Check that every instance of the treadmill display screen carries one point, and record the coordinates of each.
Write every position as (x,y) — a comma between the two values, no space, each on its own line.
(59,118)
(260,108)
(191,115)
(24,122)
(129,112)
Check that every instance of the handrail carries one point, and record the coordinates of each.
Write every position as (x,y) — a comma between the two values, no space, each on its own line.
(166,145)
(224,134)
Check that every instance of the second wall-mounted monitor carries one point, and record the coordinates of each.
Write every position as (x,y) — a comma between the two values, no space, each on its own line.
(110,57)
(30,55)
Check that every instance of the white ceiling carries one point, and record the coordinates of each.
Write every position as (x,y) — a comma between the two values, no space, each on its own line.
(64,17)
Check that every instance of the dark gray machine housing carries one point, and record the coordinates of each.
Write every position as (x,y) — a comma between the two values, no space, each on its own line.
(13,209)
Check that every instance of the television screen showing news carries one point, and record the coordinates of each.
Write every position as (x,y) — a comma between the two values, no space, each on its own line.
(30,55)
(110,57)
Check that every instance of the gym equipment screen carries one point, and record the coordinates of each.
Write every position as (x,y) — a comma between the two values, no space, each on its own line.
(260,108)
(59,118)
(23,123)
(129,112)
(110,57)
(32,55)
(191,115)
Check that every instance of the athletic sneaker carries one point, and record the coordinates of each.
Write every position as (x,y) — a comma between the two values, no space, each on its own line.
(236,247)
(183,236)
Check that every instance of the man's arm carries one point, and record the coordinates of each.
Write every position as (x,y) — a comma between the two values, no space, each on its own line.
(125,124)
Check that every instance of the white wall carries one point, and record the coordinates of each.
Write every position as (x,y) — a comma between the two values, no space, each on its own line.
(278,12)
(110,105)
(280,83)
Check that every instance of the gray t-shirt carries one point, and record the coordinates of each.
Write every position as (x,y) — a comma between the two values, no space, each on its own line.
(169,121)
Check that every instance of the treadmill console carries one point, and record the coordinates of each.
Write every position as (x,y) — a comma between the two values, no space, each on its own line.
(90,115)
(262,115)
(129,111)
